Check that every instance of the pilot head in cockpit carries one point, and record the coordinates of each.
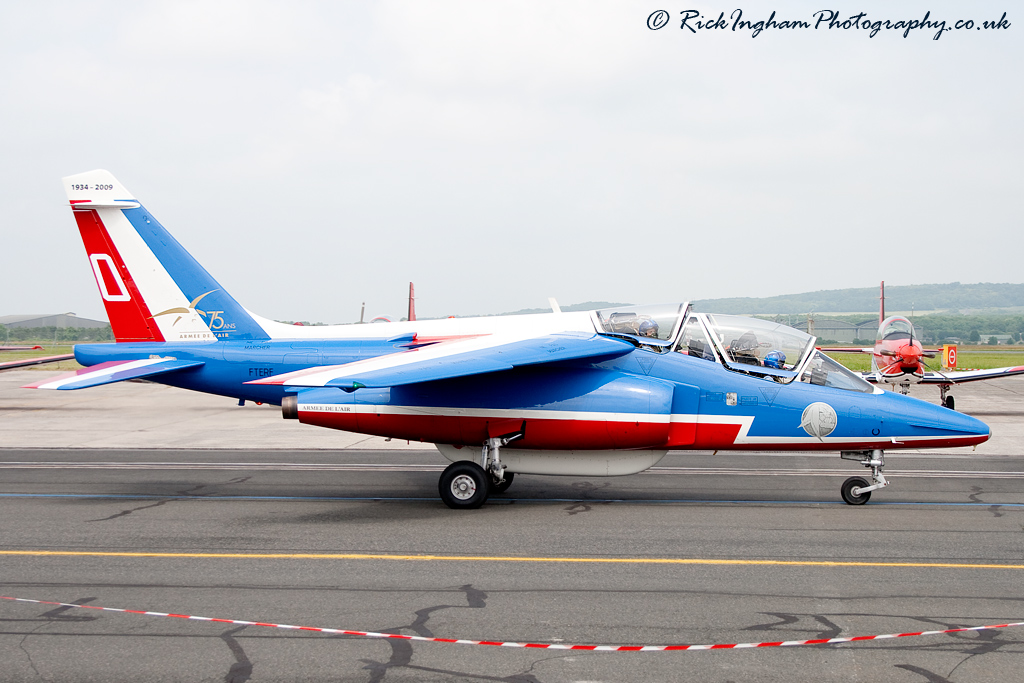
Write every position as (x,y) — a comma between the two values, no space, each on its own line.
(648,328)
(775,359)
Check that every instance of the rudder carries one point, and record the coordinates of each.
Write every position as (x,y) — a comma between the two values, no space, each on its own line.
(152,288)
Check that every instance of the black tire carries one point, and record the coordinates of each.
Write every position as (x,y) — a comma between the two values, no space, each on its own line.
(464,485)
(503,486)
(847,491)
(949,403)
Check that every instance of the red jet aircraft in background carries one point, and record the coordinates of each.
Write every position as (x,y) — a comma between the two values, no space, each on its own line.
(897,359)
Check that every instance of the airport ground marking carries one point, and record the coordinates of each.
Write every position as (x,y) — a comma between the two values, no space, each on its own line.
(493,501)
(543,646)
(508,558)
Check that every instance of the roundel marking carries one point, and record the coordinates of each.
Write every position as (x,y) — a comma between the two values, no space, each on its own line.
(819,419)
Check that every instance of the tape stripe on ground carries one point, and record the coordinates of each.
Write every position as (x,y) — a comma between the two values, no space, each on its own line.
(544,646)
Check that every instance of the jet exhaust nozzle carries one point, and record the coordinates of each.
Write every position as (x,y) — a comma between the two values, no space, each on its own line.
(290,407)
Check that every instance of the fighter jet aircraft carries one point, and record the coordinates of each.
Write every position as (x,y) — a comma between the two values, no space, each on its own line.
(598,393)
(897,358)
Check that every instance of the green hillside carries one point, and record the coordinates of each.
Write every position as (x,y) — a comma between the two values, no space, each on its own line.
(952,297)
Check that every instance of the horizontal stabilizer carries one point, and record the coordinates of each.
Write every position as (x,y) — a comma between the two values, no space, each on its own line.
(457,359)
(104,204)
(114,371)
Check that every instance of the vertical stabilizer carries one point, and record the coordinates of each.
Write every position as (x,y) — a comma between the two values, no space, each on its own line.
(152,289)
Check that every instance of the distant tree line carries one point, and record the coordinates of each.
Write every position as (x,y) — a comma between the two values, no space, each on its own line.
(939,327)
(951,296)
(52,333)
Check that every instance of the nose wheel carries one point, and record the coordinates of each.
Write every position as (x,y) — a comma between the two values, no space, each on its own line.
(857,490)
(855,484)
(947,400)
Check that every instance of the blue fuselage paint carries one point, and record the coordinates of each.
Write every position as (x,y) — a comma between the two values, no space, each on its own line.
(674,384)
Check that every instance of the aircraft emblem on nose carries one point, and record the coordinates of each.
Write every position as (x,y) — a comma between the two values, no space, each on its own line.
(819,419)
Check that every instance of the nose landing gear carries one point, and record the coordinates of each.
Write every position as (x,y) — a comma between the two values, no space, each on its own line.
(855,490)
(947,401)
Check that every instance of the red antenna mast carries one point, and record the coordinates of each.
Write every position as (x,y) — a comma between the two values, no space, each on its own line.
(412,303)
(881,305)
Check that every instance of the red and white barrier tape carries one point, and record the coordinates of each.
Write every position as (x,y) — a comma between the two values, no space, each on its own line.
(544,646)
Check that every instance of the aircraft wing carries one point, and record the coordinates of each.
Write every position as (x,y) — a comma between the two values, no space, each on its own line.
(962,376)
(852,349)
(493,353)
(954,376)
(25,362)
(114,371)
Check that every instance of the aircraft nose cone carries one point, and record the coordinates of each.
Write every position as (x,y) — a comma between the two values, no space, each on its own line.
(910,358)
(928,421)
(910,353)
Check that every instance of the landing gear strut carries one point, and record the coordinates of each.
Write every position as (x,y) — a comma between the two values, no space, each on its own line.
(490,459)
(947,401)
(855,490)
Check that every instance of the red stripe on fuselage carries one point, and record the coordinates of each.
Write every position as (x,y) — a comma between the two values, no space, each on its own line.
(540,433)
(130,320)
(556,434)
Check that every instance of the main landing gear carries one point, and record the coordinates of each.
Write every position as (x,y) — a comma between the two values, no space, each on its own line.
(855,490)
(465,485)
(947,401)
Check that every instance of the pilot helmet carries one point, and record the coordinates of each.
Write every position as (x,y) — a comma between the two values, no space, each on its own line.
(648,328)
(775,359)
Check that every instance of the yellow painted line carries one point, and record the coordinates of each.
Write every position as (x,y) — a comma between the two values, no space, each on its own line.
(500,558)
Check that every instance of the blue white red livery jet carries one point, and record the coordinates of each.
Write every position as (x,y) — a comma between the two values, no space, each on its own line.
(597,393)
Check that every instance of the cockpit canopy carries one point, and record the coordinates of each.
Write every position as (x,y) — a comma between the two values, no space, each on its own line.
(895,328)
(655,324)
(752,341)
(748,345)
(778,352)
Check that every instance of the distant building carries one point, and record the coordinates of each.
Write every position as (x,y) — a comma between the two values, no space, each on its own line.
(50,320)
(1000,338)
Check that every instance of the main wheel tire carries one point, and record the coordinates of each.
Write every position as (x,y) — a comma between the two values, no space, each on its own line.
(949,403)
(847,491)
(463,485)
(503,486)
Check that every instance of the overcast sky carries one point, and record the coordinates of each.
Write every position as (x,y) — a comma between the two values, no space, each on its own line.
(315,155)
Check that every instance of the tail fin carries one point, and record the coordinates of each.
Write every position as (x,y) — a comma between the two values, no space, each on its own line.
(152,289)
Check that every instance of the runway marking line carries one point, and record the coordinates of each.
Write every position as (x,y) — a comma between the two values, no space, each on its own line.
(501,558)
(544,646)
